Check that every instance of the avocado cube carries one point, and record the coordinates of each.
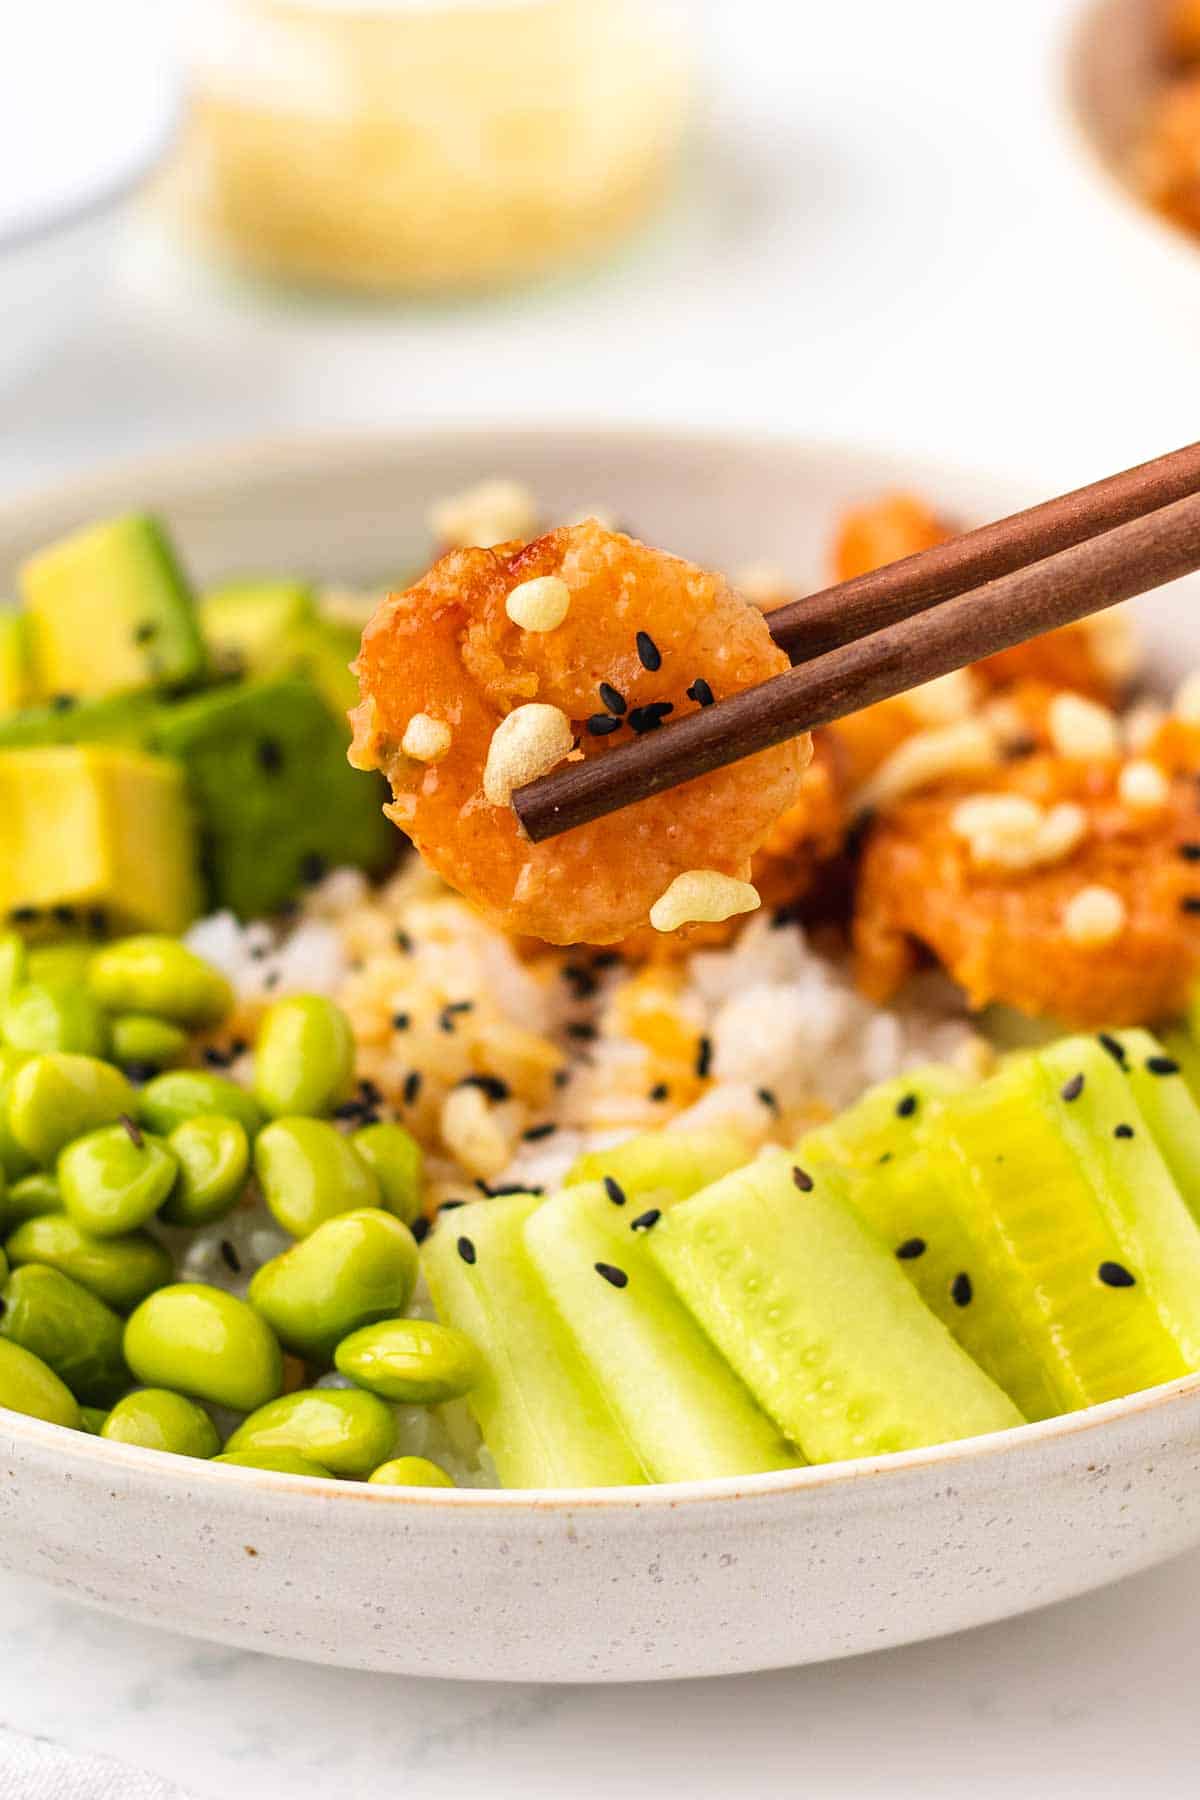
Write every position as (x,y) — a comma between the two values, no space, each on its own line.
(16,665)
(321,653)
(278,802)
(95,832)
(110,610)
(245,622)
(127,719)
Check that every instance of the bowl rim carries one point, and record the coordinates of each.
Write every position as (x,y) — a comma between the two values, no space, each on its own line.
(221,461)
(31,232)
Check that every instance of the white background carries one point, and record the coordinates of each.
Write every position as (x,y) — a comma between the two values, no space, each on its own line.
(888,235)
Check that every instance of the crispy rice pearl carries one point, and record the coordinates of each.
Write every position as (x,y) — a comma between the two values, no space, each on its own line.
(646,625)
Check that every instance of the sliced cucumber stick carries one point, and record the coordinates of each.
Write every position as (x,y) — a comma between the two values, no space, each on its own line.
(678,1163)
(687,1414)
(1167,1104)
(542,1416)
(812,1311)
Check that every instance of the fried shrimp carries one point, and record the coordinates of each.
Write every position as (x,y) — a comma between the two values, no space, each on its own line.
(642,636)
(1062,887)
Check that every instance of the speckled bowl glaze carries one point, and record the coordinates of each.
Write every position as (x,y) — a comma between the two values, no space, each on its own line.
(606,1584)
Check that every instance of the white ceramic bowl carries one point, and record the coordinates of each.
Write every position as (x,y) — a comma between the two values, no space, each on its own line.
(605,1584)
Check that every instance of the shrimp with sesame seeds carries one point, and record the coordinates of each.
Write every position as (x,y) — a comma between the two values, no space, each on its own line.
(612,647)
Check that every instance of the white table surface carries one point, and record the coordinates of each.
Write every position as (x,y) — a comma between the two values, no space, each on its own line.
(890,238)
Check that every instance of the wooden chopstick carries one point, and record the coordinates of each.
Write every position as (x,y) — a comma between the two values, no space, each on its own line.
(1086,578)
(838,615)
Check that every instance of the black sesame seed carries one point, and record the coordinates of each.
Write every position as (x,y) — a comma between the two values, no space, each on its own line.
(271,978)
(259,952)
(1115,1274)
(906,1106)
(660,1091)
(536,1133)
(580,980)
(1189,852)
(615,702)
(491,1085)
(1122,1131)
(649,718)
(614,1190)
(404,942)
(961,1291)
(238,1047)
(313,868)
(649,654)
(450,1205)
(768,1099)
(1114,1047)
(23,915)
(466,1249)
(497,1190)
(581,1031)
(270,755)
(63,915)
(349,1109)
(61,702)
(802,1179)
(215,1057)
(603,725)
(700,692)
(615,1277)
(911,1248)
(401,1021)
(146,632)
(140,1072)
(704,1056)
(132,1131)
(885,1157)
(646,1221)
(561,1077)
(606,959)
(1072,1089)
(412,1086)
(97,920)
(1190,903)
(230,1257)
(453,1010)
(420,1228)
(1162,1065)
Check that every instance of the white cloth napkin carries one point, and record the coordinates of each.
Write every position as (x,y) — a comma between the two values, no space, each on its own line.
(33,1769)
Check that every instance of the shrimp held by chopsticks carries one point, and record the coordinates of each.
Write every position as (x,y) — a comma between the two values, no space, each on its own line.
(619,637)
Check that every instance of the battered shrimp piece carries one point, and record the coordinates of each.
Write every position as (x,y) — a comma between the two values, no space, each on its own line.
(1101,926)
(641,629)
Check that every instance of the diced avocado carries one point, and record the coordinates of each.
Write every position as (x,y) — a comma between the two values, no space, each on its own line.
(277,801)
(91,833)
(321,654)
(127,719)
(245,622)
(16,665)
(686,1413)
(672,1162)
(543,1418)
(811,1310)
(110,610)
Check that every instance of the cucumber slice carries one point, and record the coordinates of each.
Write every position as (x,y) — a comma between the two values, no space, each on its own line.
(1167,1104)
(686,1413)
(1183,1048)
(813,1313)
(542,1416)
(678,1163)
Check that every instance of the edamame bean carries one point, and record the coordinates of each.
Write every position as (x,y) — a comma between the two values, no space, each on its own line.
(114,1179)
(14,1162)
(62,965)
(303,1057)
(399,1165)
(91,1419)
(356,1268)
(159,975)
(119,1270)
(309,1173)
(202,1341)
(349,1431)
(56,1097)
(158,1419)
(30,1197)
(14,963)
(140,1042)
(213,1154)
(28,1386)
(72,1331)
(50,1018)
(412,1360)
(410,1471)
(183,1094)
(278,1462)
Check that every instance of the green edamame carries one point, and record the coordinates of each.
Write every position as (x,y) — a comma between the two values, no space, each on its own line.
(410,1471)
(303,1057)
(412,1360)
(114,1179)
(182,1094)
(62,965)
(57,1097)
(73,1332)
(158,1419)
(350,1432)
(352,1270)
(50,1018)
(213,1154)
(119,1270)
(29,1198)
(91,1419)
(28,1386)
(309,1173)
(142,1042)
(202,1341)
(14,963)
(277,1462)
(159,975)
(399,1165)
